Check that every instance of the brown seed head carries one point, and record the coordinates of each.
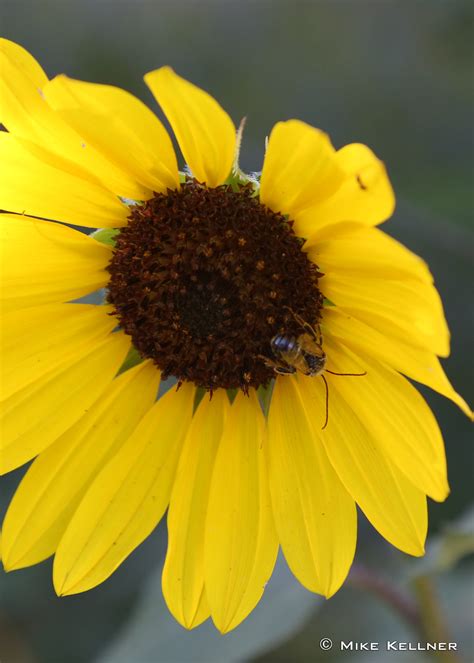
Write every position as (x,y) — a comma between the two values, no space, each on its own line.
(192,280)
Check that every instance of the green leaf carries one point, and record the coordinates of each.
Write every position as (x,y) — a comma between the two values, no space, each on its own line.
(446,549)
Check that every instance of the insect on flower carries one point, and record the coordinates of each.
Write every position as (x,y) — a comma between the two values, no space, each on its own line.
(203,272)
(302,353)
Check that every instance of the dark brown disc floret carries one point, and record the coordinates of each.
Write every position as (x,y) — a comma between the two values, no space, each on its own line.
(202,280)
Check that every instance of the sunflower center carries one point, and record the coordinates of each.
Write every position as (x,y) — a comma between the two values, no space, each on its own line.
(202,280)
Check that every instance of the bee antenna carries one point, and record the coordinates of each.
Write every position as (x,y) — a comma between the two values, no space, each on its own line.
(327,402)
(353,375)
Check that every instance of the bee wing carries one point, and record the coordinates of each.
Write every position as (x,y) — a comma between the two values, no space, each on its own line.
(309,345)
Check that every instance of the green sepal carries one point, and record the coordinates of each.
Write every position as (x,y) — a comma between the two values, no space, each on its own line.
(231,394)
(265,396)
(106,235)
(238,178)
(132,359)
(199,395)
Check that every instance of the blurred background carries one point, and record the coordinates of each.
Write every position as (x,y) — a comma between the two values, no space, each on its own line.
(397,75)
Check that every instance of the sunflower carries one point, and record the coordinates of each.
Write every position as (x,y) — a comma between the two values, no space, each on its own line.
(289,321)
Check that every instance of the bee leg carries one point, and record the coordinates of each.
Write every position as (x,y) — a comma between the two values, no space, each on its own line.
(285,370)
(316,334)
(277,367)
(267,361)
(319,339)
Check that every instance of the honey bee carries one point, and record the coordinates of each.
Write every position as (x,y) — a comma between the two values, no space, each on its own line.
(303,353)
(297,353)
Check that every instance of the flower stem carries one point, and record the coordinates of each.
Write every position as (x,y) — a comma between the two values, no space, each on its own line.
(433,625)
(402,603)
(420,612)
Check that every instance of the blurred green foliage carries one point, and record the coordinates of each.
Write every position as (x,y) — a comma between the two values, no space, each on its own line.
(394,74)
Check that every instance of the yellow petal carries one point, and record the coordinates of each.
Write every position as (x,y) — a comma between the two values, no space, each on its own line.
(24,109)
(314,514)
(54,485)
(127,499)
(396,415)
(394,506)
(240,541)
(406,309)
(30,186)
(205,133)
(120,126)
(415,363)
(352,248)
(299,170)
(43,262)
(25,61)
(36,341)
(366,194)
(366,269)
(26,113)
(202,612)
(183,574)
(34,417)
